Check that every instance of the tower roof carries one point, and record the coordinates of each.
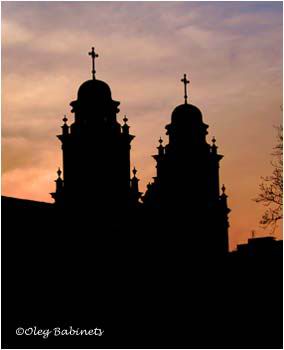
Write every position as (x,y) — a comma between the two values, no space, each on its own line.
(94,93)
(94,88)
(185,111)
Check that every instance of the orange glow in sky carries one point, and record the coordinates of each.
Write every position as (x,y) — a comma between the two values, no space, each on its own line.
(231,52)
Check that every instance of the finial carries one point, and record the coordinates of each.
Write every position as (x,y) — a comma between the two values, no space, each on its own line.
(214,147)
(161,148)
(94,55)
(223,189)
(134,171)
(125,127)
(185,82)
(65,127)
(125,119)
(59,172)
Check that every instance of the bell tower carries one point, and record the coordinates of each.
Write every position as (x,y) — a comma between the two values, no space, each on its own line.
(96,149)
(186,187)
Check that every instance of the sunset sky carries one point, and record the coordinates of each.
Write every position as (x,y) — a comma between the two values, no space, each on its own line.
(231,52)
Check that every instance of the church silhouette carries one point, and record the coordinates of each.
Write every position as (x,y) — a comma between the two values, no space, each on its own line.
(152,269)
(96,168)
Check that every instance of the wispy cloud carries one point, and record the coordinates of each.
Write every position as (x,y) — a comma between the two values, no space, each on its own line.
(232,52)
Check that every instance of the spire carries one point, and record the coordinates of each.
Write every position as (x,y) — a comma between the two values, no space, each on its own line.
(185,82)
(94,55)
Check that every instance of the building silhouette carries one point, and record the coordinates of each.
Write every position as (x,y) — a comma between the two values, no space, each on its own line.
(260,247)
(153,270)
(96,168)
(187,180)
(96,152)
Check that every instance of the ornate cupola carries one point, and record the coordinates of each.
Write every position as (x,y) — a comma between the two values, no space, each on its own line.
(187,129)
(94,105)
(96,149)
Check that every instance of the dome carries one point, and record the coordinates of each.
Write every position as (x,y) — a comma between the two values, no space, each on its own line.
(94,94)
(94,88)
(185,111)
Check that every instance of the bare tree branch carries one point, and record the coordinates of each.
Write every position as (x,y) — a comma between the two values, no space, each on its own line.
(271,188)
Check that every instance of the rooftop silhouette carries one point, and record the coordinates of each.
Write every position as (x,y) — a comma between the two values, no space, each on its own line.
(104,254)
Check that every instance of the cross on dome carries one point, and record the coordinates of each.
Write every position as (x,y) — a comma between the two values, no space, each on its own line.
(94,55)
(185,82)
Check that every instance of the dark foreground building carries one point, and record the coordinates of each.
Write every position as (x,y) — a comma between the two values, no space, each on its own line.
(151,270)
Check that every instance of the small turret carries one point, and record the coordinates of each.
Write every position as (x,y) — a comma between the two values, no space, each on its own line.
(58,194)
(161,148)
(214,147)
(134,188)
(223,195)
(125,127)
(65,127)
(223,199)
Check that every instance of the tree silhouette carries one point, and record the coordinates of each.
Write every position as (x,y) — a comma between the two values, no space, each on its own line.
(271,189)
